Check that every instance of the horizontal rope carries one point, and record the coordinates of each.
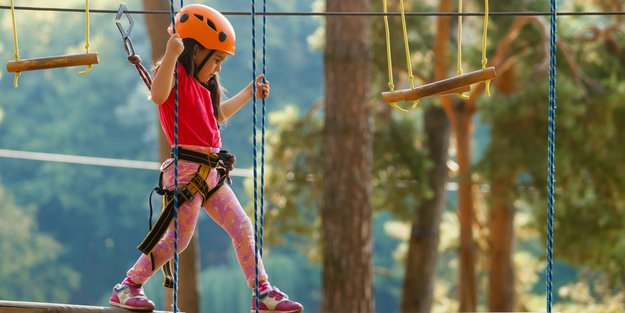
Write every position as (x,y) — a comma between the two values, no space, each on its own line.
(85,160)
(528,13)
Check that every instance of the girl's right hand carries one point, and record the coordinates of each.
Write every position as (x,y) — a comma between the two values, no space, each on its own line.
(175,46)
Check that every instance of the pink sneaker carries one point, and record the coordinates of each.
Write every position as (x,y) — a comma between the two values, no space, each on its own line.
(276,301)
(129,295)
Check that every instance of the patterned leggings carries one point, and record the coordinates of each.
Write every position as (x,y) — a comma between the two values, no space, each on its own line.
(223,207)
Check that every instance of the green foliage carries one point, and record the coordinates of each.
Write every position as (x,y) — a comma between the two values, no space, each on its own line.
(223,290)
(28,255)
(590,184)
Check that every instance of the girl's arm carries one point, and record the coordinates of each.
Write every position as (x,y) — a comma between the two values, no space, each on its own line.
(233,105)
(164,78)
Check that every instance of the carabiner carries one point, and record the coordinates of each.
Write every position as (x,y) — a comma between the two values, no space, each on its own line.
(123,10)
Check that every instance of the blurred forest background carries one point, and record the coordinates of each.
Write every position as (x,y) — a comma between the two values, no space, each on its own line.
(69,232)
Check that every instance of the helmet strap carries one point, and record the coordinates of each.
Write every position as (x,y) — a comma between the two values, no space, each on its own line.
(208,56)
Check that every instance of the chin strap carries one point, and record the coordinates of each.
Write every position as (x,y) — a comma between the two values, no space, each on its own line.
(199,68)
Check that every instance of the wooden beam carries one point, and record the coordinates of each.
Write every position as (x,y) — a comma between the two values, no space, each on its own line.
(52,62)
(39,307)
(440,87)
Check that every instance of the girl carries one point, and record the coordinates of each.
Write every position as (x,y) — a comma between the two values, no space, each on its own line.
(204,39)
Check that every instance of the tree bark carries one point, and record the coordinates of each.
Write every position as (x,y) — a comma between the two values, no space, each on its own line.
(501,293)
(419,278)
(156,25)
(460,115)
(347,210)
(189,269)
(467,278)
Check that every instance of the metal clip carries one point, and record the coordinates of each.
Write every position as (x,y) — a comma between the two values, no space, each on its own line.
(123,10)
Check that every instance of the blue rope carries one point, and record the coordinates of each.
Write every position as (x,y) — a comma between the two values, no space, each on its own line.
(551,157)
(175,287)
(259,200)
(255,154)
(262,145)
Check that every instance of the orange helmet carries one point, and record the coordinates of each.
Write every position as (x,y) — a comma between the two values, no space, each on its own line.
(206,25)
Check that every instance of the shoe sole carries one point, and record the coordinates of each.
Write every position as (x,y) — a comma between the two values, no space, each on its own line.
(131,308)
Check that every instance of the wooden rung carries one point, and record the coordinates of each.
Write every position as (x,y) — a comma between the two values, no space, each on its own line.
(52,62)
(39,307)
(439,87)
(455,91)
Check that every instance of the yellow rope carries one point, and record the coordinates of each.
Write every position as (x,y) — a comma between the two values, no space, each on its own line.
(16,55)
(460,71)
(484,39)
(407,48)
(89,67)
(387,31)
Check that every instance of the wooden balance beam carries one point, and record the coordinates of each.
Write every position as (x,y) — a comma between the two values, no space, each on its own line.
(441,87)
(38,307)
(52,62)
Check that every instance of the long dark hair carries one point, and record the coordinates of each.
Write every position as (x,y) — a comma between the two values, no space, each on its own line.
(186,59)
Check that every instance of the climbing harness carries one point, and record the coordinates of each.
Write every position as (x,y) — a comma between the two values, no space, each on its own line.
(222,162)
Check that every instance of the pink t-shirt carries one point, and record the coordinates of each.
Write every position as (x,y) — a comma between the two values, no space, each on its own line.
(197,124)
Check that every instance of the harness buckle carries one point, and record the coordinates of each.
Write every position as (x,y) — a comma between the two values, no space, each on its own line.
(185,193)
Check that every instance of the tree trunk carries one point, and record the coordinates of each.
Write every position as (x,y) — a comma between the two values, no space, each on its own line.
(422,255)
(156,25)
(460,117)
(346,210)
(188,284)
(501,294)
(467,278)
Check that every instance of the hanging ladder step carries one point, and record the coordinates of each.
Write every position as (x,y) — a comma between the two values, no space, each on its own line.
(52,62)
(446,86)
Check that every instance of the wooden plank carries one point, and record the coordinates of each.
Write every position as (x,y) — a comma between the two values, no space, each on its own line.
(40,307)
(52,62)
(439,87)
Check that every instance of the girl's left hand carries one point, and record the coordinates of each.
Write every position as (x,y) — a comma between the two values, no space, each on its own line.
(262,87)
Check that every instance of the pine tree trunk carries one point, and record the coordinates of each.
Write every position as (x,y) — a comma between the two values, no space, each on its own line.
(467,278)
(188,284)
(501,294)
(462,127)
(346,211)
(418,289)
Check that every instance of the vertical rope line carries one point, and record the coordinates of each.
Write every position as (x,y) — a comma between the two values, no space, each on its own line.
(389,55)
(407,48)
(387,32)
(89,67)
(484,41)
(460,71)
(255,154)
(16,45)
(175,287)
(460,37)
(551,157)
(262,144)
